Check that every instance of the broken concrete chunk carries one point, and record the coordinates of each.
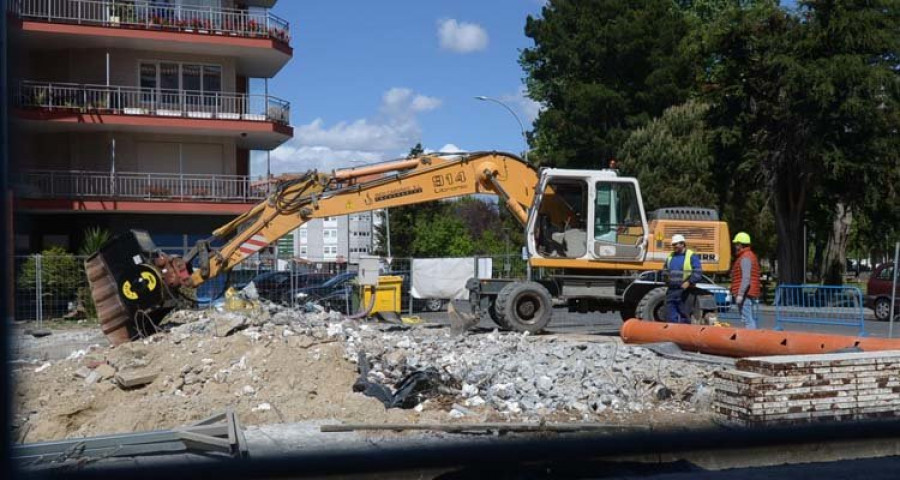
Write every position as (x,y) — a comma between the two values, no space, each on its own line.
(82,372)
(227,325)
(105,371)
(135,378)
(92,378)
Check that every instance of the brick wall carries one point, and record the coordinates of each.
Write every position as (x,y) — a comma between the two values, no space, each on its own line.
(776,390)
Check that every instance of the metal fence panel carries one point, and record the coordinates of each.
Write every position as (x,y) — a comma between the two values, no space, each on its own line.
(819,305)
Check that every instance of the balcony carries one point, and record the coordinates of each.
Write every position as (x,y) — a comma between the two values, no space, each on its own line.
(93,190)
(259,40)
(262,121)
(153,16)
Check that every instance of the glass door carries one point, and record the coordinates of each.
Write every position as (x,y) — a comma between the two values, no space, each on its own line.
(619,224)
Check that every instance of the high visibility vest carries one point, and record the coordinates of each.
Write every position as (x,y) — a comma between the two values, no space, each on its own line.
(686,267)
(736,274)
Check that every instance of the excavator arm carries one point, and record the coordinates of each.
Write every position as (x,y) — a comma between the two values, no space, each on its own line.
(411,181)
(134,285)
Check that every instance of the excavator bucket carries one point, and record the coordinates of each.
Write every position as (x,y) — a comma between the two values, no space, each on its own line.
(127,287)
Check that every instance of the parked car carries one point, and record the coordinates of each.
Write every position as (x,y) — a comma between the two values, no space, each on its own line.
(275,286)
(878,291)
(335,294)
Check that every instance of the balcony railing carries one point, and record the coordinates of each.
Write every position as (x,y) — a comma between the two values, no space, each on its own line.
(77,184)
(150,101)
(150,15)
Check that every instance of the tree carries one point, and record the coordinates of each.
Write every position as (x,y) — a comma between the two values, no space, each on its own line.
(602,68)
(672,159)
(808,102)
(441,236)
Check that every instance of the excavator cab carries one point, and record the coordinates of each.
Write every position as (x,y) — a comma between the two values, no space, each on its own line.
(588,215)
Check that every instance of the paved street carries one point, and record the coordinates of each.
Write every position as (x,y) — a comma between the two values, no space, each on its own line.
(609,323)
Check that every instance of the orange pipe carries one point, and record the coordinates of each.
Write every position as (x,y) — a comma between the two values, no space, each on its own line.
(373,169)
(738,342)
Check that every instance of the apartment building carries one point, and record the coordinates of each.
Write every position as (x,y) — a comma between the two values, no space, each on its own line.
(334,239)
(140,114)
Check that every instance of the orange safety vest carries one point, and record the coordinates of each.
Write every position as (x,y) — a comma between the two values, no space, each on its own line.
(755,289)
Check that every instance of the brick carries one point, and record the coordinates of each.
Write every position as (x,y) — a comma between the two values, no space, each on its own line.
(135,378)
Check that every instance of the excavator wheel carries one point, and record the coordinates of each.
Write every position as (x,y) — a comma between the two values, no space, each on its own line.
(526,306)
(653,305)
(497,316)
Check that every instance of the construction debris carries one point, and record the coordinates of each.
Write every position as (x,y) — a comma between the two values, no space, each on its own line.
(288,365)
(135,378)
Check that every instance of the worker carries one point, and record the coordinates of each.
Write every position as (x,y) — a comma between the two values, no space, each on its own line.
(745,286)
(682,272)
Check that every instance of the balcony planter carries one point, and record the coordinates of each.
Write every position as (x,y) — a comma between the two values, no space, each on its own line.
(158,191)
(162,112)
(256,117)
(114,20)
(199,114)
(134,111)
(229,116)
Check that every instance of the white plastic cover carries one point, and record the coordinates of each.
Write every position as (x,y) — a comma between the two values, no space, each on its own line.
(446,278)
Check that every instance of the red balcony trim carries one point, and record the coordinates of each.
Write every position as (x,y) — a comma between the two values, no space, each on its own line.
(159,35)
(132,206)
(64,116)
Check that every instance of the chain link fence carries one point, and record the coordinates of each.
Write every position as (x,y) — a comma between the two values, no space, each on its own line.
(54,286)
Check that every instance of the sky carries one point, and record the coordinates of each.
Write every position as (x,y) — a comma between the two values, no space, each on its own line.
(369,80)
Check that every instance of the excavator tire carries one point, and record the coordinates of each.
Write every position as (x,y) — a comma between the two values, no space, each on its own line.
(114,318)
(653,306)
(498,317)
(525,306)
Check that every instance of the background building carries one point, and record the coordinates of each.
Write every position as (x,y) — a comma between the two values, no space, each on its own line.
(140,115)
(335,238)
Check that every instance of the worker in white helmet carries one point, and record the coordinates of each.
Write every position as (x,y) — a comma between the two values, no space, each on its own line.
(682,272)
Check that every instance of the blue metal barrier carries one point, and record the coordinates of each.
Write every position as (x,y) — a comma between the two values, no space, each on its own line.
(819,305)
(728,311)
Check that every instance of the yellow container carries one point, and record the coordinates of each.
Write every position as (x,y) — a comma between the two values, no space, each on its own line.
(387,295)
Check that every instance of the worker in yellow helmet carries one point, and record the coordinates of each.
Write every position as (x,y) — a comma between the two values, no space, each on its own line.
(682,272)
(745,285)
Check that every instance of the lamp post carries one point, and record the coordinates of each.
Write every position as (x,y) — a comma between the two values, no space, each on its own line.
(484,98)
(511,112)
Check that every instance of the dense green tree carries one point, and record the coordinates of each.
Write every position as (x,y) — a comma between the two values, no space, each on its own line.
(808,103)
(672,159)
(441,236)
(602,68)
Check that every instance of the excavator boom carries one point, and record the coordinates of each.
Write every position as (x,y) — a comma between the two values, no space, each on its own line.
(134,285)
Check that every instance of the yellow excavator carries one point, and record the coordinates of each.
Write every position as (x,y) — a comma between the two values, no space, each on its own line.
(590,243)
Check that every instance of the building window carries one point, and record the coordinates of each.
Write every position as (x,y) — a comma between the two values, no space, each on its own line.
(303,250)
(303,234)
(206,79)
(329,233)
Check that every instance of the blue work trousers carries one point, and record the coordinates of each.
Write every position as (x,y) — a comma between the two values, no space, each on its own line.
(677,308)
(748,313)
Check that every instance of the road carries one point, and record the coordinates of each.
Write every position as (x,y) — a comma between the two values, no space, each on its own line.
(610,323)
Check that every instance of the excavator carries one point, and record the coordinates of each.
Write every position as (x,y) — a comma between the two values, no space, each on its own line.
(589,241)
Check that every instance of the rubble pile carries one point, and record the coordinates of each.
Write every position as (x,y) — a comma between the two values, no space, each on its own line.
(533,376)
(277,365)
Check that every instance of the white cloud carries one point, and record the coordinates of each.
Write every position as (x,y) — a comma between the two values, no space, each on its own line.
(389,134)
(461,37)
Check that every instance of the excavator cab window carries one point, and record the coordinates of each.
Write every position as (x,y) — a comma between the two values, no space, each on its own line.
(618,222)
(562,219)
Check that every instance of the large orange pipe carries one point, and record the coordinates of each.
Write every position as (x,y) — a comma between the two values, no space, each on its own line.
(738,342)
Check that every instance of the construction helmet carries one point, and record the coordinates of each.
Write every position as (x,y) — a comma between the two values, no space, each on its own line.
(742,238)
(677,238)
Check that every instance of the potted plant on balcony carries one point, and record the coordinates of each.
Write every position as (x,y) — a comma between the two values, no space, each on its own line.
(157,191)
(38,97)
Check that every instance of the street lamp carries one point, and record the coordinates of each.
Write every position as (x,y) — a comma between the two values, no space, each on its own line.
(513,113)
(525,138)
